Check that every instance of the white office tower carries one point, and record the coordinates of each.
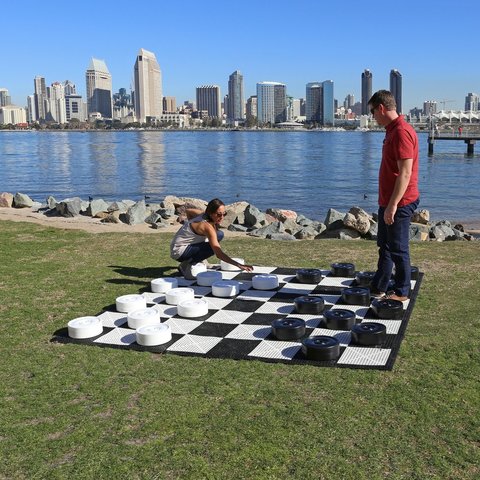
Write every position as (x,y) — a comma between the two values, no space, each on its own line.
(4,97)
(99,89)
(57,103)
(148,86)
(271,102)
(69,88)
(31,111)
(12,115)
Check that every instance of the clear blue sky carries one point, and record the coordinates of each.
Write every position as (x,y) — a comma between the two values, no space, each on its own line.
(434,43)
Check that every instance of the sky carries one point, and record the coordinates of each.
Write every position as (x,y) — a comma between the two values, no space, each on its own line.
(433,43)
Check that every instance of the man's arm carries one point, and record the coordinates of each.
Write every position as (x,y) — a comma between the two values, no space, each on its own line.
(401,184)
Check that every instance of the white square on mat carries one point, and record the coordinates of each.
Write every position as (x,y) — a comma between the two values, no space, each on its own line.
(329,299)
(250,332)
(194,344)
(336,282)
(258,269)
(113,319)
(228,316)
(217,303)
(359,310)
(364,356)
(276,307)
(260,295)
(298,288)
(342,336)
(393,326)
(118,336)
(182,325)
(274,349)
(152,297)
(165,309)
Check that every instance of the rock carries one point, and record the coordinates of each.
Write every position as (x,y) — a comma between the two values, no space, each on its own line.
(358,220)
(459,227)
(110,218)
(136,214)
(305,233)
(418,232)
(185,202)
(70,207)
(235,214)
(97,206)
(120,207)
(372,231)
(21,200)
(281,236)
(275,227)
(281,215)
(158,225)
(166,213)
(421,216)
(333,219)
(153,218)
(6,200)
(291,226)
(340,233)
(442,231)
(51,202)
(235,227)
(318,226)
(254,218)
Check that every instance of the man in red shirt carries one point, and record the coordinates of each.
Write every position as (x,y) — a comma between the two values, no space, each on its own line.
(398,197)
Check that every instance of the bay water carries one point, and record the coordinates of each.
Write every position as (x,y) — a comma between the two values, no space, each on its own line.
(308,172)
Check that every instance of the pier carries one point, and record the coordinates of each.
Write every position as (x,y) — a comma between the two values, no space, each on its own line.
(467,137)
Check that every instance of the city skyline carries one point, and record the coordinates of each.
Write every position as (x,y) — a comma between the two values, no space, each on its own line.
(350,38)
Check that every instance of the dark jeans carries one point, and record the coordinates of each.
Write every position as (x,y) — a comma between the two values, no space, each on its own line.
(197,252)
(393,243)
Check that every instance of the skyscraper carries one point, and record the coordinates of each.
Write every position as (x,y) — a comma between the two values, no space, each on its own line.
(4,97)
(472,102)
(208,98)
(99,88)
(313,102)
(40,96)
(328,103)
(396,88)
(366,90)
(271,102)
(148,86)
(236,101)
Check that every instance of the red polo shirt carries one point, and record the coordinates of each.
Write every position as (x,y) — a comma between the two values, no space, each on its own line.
(400,143)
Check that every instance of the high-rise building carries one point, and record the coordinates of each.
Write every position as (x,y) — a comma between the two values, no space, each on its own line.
(236,101)
(99,89)
(148,86)
(252,106)
(314,102)
(472,102)
(31,112)
(5,98)
(40,97)
(366,90)
(429,107)
(56,102)
(169,105)
(349,101)
(328,103)
(208,99)
(69,88)
(271,102)
(396,88)
(74,107)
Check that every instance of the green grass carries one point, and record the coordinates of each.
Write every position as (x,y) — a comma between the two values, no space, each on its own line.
(72,411)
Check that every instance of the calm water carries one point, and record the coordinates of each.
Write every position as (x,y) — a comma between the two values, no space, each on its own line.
(305,171)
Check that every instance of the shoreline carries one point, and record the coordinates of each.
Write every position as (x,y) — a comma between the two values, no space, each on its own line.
(93,225)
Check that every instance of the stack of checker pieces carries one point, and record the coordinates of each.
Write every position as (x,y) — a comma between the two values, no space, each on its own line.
(275,325)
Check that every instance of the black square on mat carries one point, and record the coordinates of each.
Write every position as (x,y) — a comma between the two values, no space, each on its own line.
(262,318)
(213,329)
(233,348)
(244,305)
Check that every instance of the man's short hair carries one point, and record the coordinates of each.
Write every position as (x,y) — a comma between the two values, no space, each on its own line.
(385,98)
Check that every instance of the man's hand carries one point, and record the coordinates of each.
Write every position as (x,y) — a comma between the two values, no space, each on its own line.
(389,214)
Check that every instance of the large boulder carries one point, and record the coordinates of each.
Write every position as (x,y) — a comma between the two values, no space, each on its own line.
(21,200)
(70,207)
(281,236)
(254,218)
(442,231)
(271,228)
(357,219)
(96,206)
(419,232)
(334,219)
(136,214)
(235,214)
(421,216)
(281,215)
(120,207)
(6,199)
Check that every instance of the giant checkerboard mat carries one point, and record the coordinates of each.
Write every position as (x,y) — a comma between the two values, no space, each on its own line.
(241,327)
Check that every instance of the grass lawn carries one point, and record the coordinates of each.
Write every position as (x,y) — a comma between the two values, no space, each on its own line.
(73,411)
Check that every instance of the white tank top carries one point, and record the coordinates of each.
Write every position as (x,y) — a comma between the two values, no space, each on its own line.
(185,237)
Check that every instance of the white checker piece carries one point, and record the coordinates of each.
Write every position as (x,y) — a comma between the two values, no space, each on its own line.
(275,350)
(276,307)
(182,325)
(336,282)
(113,319)
(358,310)
(194,344)
(250,332)
(342,336)
(165,309)
(364,356)
(260,295)
(228,316)
(393,326)
(118,336)
(217,303)
(152,297)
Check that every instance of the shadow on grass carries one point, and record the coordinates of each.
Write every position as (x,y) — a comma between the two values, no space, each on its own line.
(148,273)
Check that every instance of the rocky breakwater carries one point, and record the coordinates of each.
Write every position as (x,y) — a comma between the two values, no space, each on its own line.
(274,224)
